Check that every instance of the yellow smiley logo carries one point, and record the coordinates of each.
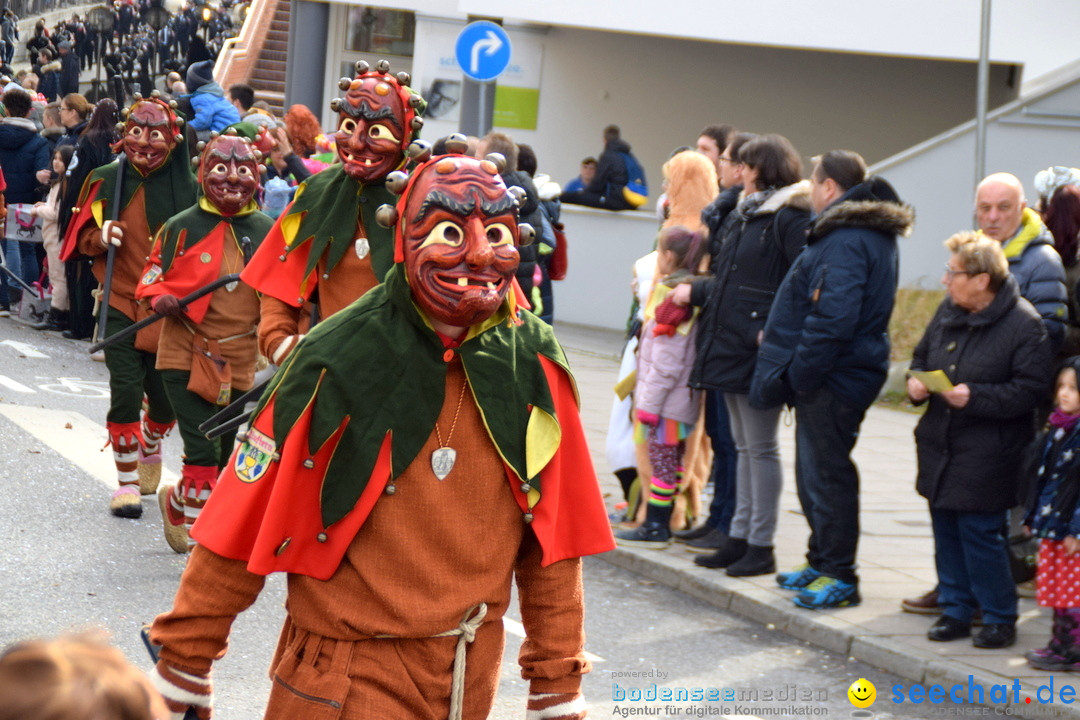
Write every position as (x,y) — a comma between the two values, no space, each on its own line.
(862,693)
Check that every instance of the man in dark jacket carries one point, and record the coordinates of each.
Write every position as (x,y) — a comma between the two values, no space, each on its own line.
(826,350)
(1002,214)
(22,153)
(69,69)
(605,189)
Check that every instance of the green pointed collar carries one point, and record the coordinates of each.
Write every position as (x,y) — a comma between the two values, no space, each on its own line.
(168,190)
(385,373)
(327,205)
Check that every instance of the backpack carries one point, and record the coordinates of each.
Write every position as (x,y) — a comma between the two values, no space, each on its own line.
(636,191)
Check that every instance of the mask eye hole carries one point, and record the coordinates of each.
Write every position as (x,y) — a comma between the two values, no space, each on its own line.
(381,132)
(499,234)
(219,169)
(348,126)
(156,135)
(136,131)
(445,233)
(244,171)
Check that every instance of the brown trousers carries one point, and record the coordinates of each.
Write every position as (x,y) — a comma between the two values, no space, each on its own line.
(319,678)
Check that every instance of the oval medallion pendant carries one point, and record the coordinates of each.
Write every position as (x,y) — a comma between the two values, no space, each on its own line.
(442,461)
(362,247)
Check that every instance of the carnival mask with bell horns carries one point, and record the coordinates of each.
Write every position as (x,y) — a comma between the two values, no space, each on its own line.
(377,119)
(150,132)
(457,235)
(229,172)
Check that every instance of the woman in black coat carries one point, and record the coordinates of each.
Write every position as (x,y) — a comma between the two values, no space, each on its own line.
(993,348)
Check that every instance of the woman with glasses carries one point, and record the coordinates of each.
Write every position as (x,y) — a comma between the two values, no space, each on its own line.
(74,112)
(993,349)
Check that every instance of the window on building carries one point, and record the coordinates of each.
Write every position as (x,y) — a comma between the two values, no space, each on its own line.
(381,32)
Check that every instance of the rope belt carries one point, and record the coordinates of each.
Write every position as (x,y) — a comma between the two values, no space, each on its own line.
(223,340)
(466,633)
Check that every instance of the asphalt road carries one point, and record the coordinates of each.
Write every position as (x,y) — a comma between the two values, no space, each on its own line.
(65,563)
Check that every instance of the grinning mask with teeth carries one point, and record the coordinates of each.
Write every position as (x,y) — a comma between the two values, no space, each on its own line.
(375,125)
(458,234)
(150,133)
(229,173)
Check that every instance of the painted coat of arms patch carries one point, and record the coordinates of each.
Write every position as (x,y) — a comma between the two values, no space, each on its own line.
(254,457)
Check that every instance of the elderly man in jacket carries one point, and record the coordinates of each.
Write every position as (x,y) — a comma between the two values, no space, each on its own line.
(1001,213)
(826,350)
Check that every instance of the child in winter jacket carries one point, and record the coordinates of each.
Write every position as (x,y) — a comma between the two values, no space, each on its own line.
(49,212)
(665,407)
(1055,518)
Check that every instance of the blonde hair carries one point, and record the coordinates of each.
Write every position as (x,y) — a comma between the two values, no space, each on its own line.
(692,185)
(77,677)
(980,254)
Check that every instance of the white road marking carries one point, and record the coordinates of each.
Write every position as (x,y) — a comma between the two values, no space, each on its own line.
(515,628)
(15,385)
(81,444)
(24,349)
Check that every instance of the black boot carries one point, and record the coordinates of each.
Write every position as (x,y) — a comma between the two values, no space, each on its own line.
(653,533)
(15,296)
(758,560)
(728,553)
(56,321)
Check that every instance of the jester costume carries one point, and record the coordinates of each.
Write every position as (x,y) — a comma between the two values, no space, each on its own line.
(327,239)
(157,184)
(398,557)
(208,349)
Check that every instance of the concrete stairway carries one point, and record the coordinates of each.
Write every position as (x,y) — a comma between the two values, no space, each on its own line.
(267,75)
(258,55)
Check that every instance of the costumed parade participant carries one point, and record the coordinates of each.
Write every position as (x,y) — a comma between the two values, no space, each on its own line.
(425,416)
(327,240)
(207,348)
(121,206)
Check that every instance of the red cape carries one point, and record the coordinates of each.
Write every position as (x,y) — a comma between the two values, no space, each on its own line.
(274,522)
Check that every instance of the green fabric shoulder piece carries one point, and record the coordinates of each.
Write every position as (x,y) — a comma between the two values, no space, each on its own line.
(394,381)
(173,188)
(510,351)
(197,223)
(332,201)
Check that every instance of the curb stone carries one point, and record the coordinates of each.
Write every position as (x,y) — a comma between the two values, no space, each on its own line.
(829,631)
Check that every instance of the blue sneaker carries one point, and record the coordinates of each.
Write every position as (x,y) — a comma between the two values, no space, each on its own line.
(798,578)
(827,592)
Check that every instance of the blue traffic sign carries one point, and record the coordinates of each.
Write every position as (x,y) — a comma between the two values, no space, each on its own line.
(483,50)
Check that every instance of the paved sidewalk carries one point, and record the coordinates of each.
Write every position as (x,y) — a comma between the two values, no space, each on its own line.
(895,554)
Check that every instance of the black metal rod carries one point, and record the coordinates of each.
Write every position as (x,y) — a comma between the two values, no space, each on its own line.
(235,407)
(184,301)
(225,427)
(110,253)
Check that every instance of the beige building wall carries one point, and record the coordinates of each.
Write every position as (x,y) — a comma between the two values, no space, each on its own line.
(662,91)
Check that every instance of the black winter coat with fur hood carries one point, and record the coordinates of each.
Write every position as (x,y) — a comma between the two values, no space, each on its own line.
(829,325)
(754,256)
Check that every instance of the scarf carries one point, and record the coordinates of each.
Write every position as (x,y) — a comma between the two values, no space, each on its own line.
(749,205)
(1062,420)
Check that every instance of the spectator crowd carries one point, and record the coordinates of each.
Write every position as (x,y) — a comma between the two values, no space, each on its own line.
(774,289)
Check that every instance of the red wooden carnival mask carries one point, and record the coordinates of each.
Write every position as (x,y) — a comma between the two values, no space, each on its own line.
(229,168)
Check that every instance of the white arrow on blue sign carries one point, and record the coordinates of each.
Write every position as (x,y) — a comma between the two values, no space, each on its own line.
(483,50)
